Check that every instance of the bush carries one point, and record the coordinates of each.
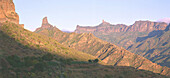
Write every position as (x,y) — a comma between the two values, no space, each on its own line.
(96,61)
(93,61)
(90,61)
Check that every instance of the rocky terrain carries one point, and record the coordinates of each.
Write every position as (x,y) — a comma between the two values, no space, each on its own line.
(7,12)
(107,52)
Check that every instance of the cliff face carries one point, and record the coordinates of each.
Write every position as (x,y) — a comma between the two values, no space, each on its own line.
(143,26)
(7,12)
(139,26)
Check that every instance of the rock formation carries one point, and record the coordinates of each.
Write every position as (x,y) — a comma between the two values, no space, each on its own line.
(45,23)
(7,12)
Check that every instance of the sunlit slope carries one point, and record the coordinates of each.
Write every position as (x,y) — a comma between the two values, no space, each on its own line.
(29,39)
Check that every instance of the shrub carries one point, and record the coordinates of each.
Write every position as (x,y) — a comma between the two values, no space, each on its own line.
(96,61)
(93,61)
(90,61)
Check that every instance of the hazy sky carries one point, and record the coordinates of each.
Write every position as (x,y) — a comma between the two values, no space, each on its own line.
(67,14)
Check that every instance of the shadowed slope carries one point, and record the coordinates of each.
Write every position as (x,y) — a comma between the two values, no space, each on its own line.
(44,43)
(155,46)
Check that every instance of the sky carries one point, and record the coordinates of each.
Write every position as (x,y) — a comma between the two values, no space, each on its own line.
(67,14)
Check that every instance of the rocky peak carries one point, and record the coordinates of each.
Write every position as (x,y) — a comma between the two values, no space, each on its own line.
(7,12)
(104,23)
(45,20)
(45,23)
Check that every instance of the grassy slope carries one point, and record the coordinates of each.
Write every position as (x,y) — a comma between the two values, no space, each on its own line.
(99,71)
(107,52)
(36,41)
(25,54)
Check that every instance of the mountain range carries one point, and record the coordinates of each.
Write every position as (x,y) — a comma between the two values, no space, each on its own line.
(138,26)
(107,52)
(142,38)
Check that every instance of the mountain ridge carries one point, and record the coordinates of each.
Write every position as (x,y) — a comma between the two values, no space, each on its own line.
(140,26)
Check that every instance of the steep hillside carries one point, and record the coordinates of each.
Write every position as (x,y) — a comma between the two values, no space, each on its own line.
(155,46)
(23,52)
(107,52)
(30,39)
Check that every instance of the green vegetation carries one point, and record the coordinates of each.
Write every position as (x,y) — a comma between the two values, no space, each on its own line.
(33,43)
(93,61)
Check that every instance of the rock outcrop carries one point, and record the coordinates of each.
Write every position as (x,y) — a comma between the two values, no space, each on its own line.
(7,12)
(45,24)
(140,26)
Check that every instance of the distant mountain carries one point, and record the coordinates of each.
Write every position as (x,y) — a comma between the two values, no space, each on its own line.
(127,36)
(67,31)
(107,52)
(166,20)
(138,26)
